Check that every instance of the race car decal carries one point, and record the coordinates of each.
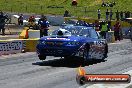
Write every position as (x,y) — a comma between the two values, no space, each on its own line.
(99,43)
(57,39)
(96,51)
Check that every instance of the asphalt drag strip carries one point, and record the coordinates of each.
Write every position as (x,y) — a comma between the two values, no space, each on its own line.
(56,72)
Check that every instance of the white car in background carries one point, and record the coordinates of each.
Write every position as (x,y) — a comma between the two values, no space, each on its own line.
(25,21)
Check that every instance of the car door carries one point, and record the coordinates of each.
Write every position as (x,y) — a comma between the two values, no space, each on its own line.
(97,48)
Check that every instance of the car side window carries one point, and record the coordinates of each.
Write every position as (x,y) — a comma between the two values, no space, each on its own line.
(93,34)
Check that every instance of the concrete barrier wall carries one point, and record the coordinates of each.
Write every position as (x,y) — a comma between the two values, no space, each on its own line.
(30,33)
(30,45)
(17,46)
(125,32)
(10,46)
(110,37)
(34,33)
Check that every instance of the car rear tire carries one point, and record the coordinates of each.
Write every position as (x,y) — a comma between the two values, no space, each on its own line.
(42,57)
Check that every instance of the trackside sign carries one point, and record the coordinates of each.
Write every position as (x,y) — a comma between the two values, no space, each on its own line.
(8,47)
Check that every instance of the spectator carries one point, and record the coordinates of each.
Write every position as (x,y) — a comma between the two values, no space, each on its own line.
(31,22)
(117,15)
(109,26)
(99,14)
(103,4)
(111,14)
(20,20)
(3,20)
(44,24)
(104,29)
(74,3)
(125,14)
(128,14)
(96,24)
(121,15)
(66,14)
(117,31)
(107,14)
(31,19)
(41,19)
(85,24)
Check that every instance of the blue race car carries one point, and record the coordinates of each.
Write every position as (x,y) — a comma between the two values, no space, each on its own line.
(73,41)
